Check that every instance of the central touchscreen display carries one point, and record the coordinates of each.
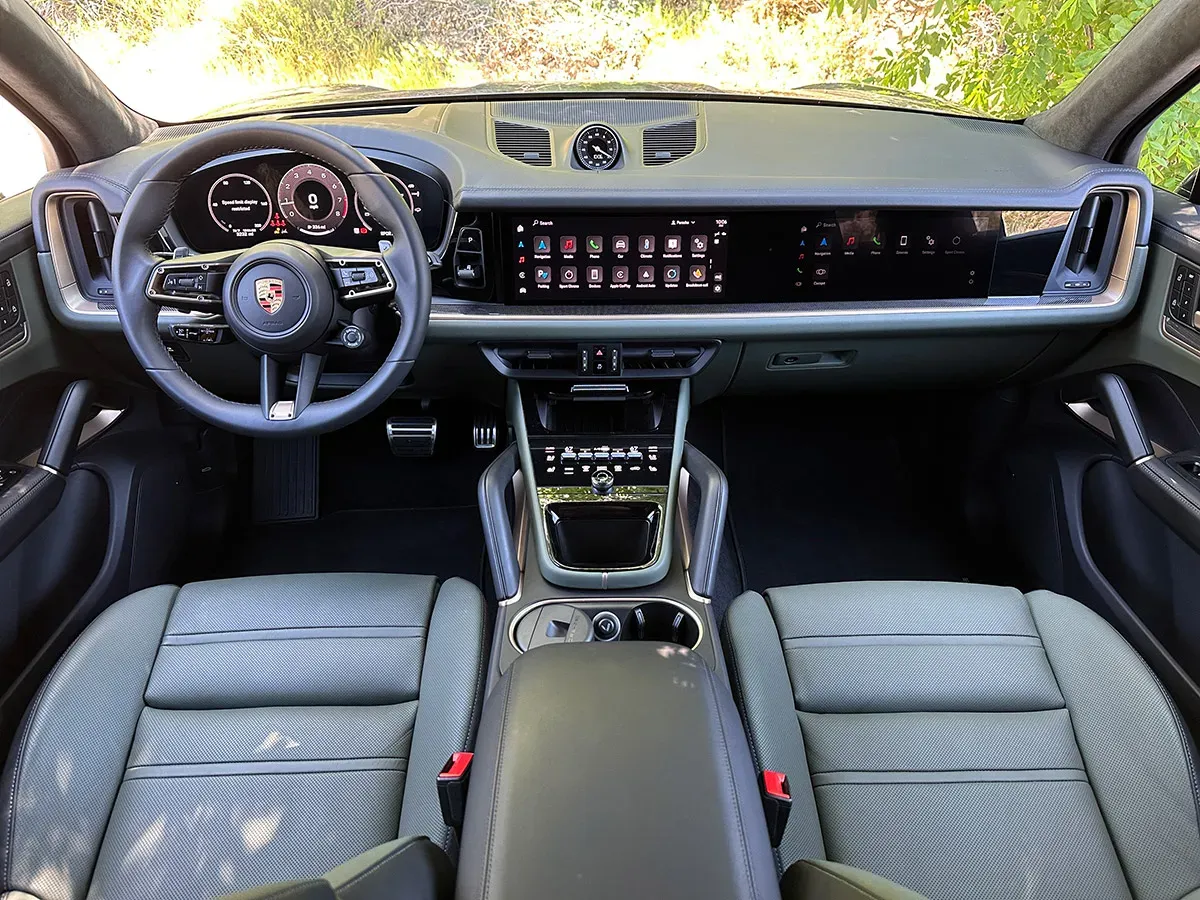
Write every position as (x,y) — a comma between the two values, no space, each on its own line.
(753,257)
(617,259)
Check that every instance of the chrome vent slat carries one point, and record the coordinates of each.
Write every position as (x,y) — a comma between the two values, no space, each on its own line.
(524,143)
(668,143)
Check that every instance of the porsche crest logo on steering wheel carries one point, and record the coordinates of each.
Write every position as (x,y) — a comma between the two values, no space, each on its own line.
(269,292)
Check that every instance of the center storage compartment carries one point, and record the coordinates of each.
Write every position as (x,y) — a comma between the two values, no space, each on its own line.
(614,770)
(603,534)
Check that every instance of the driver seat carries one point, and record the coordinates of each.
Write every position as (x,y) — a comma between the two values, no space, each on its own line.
(200,740)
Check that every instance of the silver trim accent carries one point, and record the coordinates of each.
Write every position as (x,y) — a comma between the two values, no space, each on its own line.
(571,601)
(92,429)
(1098,421)
(282,410)
(46,468)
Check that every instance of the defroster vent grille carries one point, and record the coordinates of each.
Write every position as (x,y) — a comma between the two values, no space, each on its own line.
(524,143)
(668,143)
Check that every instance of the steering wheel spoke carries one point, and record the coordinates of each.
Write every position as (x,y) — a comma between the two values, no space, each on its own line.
(273,386)
(361,277)
(190,283)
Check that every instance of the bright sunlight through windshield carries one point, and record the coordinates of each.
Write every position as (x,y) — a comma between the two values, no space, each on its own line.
(180,59)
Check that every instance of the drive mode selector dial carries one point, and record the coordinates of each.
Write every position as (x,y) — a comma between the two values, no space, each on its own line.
(313,199)
(602,481)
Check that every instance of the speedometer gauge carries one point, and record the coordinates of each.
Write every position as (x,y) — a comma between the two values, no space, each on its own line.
(312,199)
(369,222)
(239,204)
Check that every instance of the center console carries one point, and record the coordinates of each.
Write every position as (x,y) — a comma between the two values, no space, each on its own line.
(601,464)
(606,769)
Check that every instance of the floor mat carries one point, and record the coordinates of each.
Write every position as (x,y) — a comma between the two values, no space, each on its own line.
(377,512)
(842,489)
(446,542)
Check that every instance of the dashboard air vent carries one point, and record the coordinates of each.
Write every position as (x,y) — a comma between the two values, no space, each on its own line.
(644,358)
(538,359)
(524,143)
(668,143)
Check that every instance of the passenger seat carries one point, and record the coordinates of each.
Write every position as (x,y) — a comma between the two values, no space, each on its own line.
(967,741)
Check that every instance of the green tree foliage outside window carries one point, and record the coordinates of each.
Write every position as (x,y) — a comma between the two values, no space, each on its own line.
(1014,58)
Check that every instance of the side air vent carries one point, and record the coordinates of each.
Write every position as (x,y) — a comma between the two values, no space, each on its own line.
(1089,249)
(524,143)
(89,233)
(668,143)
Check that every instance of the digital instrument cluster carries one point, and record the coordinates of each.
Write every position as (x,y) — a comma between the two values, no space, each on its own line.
(772,257)
(241,202)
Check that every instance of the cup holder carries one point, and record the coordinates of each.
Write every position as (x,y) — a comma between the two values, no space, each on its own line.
(564,622)
(659,621)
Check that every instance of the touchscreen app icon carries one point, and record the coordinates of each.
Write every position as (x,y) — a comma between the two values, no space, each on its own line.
(621,243)
(621,274)
(645,273)
(541,244)
(542,274)
(595,243)
(673,243)
(566,243)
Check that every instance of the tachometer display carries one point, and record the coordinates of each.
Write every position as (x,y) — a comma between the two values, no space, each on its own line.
(239,205)
(312,199)
(411,197)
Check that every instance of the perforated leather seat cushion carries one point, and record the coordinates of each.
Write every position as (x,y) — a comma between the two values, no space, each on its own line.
(967,742)
(197,741)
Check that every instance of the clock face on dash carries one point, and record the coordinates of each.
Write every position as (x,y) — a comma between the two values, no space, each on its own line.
(597,147)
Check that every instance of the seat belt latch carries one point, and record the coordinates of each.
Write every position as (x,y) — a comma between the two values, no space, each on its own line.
(452,784)
(777,803)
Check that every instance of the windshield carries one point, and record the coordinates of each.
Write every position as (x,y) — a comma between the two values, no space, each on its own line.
(182,59)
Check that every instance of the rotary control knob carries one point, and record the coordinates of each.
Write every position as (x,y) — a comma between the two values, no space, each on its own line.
(606,626)
(602,481)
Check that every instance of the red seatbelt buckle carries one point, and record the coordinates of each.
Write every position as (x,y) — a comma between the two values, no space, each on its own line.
(452,784)
(777,803)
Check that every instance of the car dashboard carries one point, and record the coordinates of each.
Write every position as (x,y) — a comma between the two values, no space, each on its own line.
(770,226)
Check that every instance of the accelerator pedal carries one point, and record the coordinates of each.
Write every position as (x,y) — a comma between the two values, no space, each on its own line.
(286,479)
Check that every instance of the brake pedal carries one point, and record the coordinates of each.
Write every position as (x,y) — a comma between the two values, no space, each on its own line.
(412,435)
(485,431)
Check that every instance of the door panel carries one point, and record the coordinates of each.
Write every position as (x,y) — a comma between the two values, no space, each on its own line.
(1125,516)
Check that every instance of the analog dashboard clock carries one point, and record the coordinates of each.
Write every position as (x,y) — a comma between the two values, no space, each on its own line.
(597,147)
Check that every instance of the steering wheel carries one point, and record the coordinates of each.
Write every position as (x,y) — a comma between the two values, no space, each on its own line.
(283,299)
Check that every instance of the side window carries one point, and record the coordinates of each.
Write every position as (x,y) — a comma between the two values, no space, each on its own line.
(22,151)
(1171,151)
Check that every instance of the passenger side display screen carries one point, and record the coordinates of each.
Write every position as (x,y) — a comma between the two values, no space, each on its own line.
(755,257)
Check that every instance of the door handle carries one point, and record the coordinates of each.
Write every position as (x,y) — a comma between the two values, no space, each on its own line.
(1171,493)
